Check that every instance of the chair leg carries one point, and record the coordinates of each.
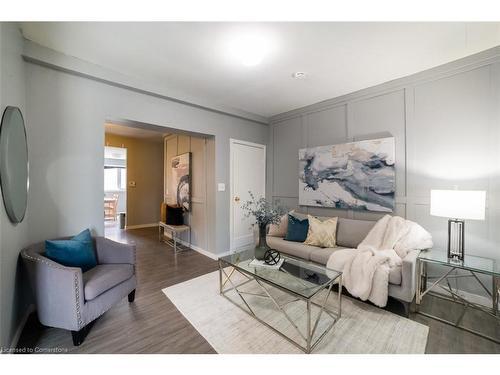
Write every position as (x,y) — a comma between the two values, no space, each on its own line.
(406,307)
(131,296)
(79,336)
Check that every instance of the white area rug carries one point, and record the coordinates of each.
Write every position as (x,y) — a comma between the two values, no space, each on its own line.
(361,329)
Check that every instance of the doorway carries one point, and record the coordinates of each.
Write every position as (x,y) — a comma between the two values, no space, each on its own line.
(115,186)
(247,173)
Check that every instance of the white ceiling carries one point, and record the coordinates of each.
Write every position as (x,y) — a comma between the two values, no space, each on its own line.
(191,58)
(134,132)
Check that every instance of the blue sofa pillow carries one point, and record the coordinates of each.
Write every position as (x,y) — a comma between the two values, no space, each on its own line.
(297,229)
(76,252)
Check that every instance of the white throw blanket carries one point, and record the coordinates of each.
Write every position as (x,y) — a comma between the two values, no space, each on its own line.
(366,269)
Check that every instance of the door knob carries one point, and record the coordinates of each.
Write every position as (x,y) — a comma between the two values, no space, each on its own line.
(236,199)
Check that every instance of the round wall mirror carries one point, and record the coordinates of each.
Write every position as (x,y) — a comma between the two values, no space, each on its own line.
(14,164)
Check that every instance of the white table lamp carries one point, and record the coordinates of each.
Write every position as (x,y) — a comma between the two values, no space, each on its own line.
(457,205)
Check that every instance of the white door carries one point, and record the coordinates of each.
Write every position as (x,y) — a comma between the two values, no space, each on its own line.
(248,173)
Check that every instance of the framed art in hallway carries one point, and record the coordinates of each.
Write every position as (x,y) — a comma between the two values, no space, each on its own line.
(356,175)
(181,180)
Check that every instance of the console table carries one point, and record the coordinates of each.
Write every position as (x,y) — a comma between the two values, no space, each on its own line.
(470,268)
(175,231)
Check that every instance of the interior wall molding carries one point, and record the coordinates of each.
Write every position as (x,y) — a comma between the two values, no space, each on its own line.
(49,58)
(487,57)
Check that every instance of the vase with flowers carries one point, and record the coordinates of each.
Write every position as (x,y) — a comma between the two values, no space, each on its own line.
(265,214)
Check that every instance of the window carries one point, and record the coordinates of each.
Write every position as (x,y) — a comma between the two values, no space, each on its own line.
(115,179)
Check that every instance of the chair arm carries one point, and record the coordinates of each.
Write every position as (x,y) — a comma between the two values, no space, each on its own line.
(111,252)
(58,291)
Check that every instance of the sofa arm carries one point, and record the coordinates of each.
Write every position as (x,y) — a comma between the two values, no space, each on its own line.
(111,252)
(408,278)
(58,291)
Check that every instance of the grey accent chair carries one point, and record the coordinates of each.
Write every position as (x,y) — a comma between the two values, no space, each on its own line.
(69,299)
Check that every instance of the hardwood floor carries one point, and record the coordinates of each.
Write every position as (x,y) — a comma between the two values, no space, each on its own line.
(152,324)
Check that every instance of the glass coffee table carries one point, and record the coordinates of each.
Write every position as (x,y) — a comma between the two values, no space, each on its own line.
(299,291)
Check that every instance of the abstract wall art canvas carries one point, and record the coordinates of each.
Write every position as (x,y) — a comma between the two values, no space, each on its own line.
(357,175)
(181,180)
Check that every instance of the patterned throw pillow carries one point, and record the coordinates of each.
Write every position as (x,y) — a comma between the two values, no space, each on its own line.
(279,230)
(322,233)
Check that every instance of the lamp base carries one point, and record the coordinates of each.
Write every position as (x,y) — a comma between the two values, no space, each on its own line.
(456,239)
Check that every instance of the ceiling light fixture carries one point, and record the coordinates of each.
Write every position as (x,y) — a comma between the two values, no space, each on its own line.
(299,75)
(249,49)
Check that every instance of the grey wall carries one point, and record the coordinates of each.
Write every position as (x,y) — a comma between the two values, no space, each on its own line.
(67,178)
(14,293)
(446,124)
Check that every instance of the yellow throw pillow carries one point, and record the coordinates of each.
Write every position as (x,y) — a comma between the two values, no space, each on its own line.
(322,233)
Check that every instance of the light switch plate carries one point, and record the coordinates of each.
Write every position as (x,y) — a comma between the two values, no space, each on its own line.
(221,186)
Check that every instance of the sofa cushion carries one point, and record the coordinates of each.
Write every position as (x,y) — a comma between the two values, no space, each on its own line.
(321,256)
(295,249)
(297,229)
(351,232)
(104,277)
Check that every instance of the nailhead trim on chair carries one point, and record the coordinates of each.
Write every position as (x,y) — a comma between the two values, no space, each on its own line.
(77,295)
(77,291)
(41,260)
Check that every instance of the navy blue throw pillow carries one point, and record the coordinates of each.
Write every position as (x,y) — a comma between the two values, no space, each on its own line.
(297,229)
(76,252)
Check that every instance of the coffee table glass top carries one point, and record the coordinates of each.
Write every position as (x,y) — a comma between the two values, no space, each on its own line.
(470,262)
(295,275)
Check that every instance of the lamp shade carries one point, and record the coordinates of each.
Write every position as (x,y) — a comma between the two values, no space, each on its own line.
(458,204)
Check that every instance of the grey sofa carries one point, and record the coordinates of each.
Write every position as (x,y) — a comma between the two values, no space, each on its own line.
(349,235)
(69,299)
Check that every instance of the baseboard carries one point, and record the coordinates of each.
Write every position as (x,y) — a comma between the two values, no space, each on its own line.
(195,248)
(151,225)
(20,327)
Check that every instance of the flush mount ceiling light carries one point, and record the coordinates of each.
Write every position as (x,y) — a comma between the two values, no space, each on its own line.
(249,49)
(298,75)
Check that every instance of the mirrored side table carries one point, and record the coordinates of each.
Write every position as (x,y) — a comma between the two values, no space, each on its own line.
(445,286)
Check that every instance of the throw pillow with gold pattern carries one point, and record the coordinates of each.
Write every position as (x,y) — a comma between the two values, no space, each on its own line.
(322,233)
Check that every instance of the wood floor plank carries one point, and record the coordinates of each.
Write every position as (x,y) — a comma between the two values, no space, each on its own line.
(152,324)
